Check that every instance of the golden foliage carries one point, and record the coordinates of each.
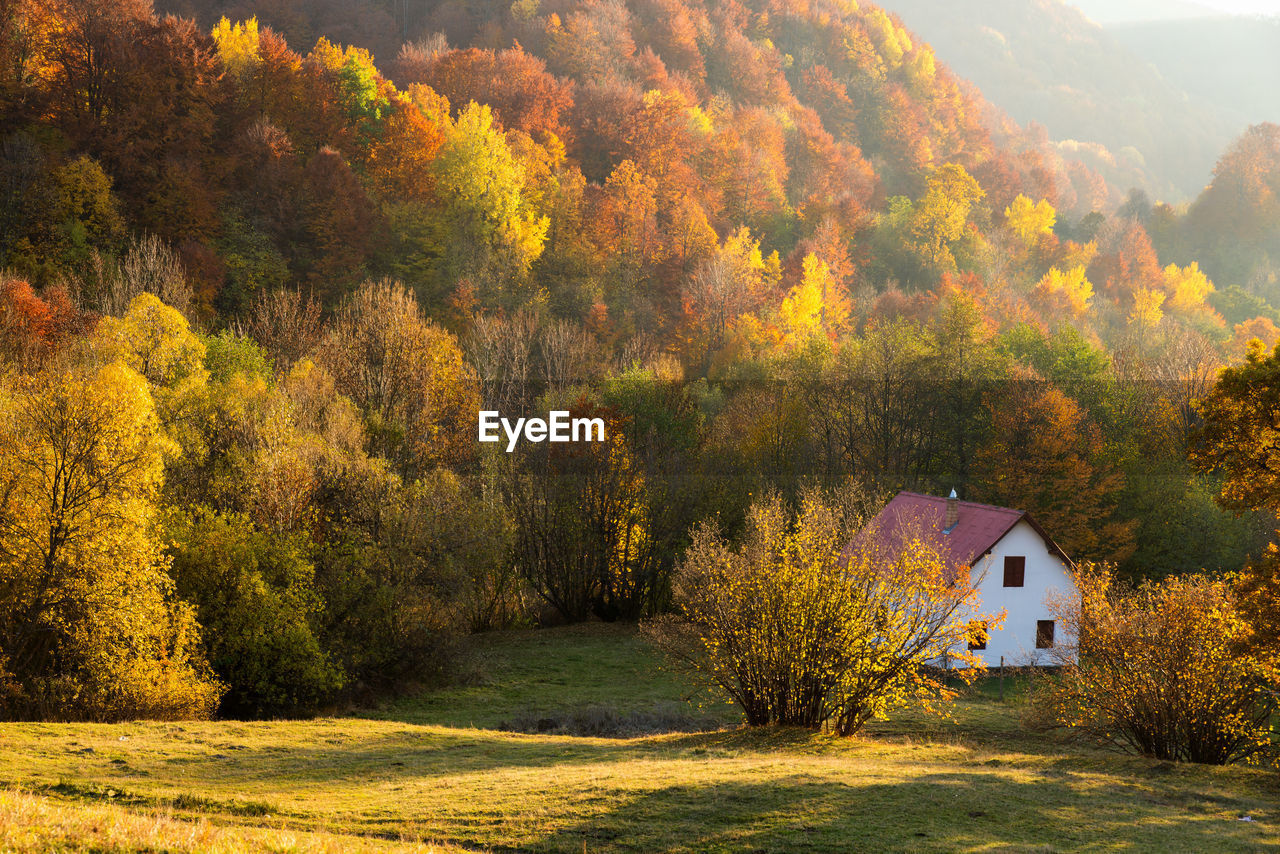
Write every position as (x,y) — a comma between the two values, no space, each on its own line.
(817,307)
(87,620)
(1147,309)
(940,218)
(801,628)
(1187,287)
(1031,220)
(1071,287)
(1167,670)
(154,340)
(238,45)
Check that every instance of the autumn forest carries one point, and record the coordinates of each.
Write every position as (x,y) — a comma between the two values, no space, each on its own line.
(258,282)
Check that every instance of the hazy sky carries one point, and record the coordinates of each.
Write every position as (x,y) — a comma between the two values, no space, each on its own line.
(1245,7)
(1112,11)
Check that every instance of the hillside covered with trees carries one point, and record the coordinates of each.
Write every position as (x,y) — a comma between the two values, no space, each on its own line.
(258,286)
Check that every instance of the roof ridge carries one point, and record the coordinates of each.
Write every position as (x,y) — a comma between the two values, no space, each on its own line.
(963,501)
(980,538)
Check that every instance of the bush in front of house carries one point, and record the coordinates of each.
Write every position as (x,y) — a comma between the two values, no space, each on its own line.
(1167,669)
(802,629)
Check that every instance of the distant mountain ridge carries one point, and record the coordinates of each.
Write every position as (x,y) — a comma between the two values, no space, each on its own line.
(1233,61)
(1044,61)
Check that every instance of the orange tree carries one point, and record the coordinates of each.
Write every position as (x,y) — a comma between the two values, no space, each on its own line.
(1240,436)
(1239,442)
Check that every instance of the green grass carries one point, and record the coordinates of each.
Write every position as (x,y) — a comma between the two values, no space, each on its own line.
(510,675)
(434,770)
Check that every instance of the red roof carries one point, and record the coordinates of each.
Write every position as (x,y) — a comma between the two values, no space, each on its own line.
(978,527)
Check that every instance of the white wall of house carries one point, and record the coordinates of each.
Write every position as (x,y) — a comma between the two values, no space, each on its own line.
(1045,574)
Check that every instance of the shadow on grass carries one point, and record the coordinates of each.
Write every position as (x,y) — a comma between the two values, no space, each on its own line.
(417,753)
(937,812)
(561,674)
(189,803)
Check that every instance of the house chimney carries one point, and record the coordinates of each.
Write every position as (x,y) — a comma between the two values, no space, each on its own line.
(953,512)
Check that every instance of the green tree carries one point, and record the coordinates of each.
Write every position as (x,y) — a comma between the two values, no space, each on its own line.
(255,596)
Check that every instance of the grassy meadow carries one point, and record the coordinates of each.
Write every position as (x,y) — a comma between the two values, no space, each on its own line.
(667,770)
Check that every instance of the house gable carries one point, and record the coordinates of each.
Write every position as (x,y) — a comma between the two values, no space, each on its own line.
(1044,575)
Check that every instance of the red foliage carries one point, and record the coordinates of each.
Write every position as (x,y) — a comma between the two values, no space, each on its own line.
(1127,263)
(340,219)
(516,85)
(32,327)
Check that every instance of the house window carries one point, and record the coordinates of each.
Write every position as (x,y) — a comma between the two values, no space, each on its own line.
(1044,634)
(1015,571)
(978,634)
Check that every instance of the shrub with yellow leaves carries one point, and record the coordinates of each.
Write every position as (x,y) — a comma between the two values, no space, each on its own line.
(801,628)
(1168,669)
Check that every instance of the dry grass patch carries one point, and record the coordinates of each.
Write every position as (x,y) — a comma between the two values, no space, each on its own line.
(35,823)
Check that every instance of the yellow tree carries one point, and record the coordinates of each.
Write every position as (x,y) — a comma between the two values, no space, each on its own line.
(1169,670)
(238,46)
(87,619)
(733,282)
(1030,220)
(818,306)
(1187,287)
(1148,309)
(156,341)
(940,218)
(1071,289)
(488,220)
(801,628)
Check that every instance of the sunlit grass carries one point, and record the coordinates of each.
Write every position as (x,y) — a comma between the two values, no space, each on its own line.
(418,771)
(37,823)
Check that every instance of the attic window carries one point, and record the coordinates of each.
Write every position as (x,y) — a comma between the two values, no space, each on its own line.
(1015,571)
(1044,634)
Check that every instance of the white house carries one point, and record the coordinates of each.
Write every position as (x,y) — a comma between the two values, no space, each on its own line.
(1016,567)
